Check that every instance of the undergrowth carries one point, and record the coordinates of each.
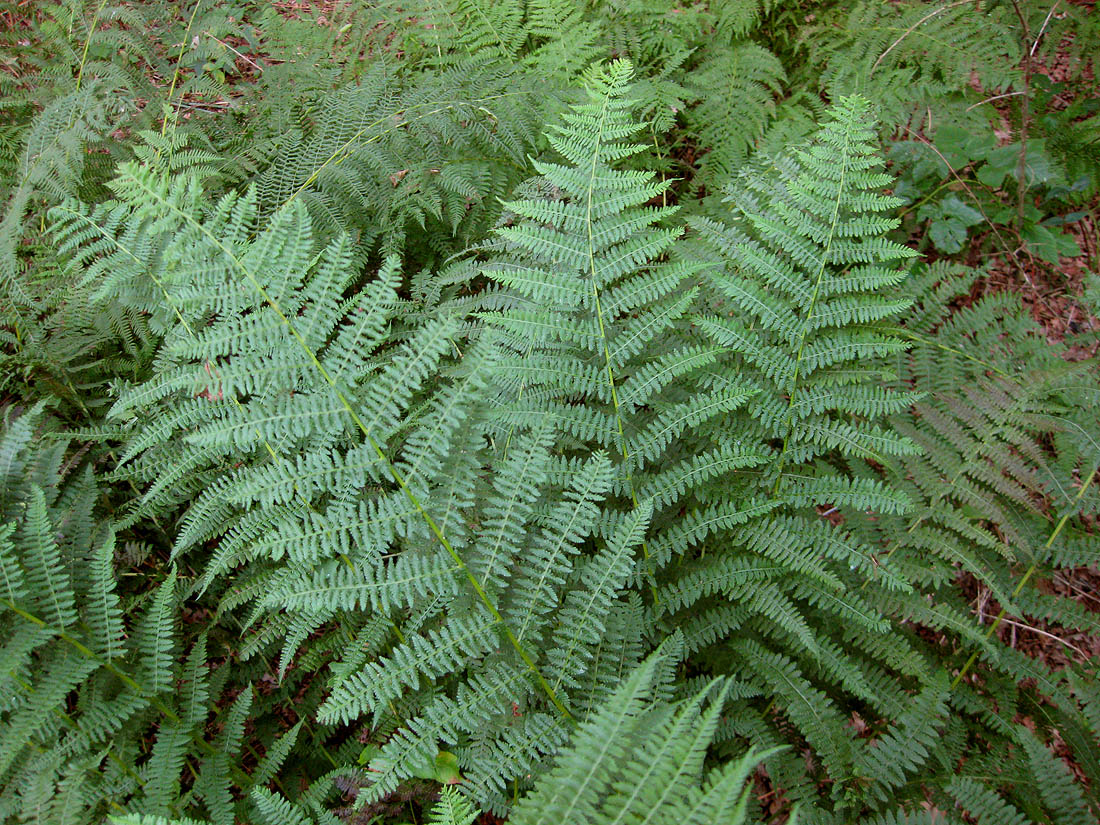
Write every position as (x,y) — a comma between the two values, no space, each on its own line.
(531,411)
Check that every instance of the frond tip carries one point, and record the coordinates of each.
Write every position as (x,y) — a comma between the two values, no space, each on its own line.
(639,758)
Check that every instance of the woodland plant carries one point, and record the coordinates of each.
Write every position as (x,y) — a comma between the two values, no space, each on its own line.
(546,412)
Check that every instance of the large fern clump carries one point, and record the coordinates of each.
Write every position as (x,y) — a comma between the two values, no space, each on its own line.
(542,412)
(344,485)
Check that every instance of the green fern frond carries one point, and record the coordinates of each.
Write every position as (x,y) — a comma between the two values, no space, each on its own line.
(639,758)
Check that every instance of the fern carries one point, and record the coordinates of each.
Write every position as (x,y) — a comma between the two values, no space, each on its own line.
(638,758)
(912,55)
(736,90)
(100,714)
(326,347)
(453,809)
(391,153)
(988,428)
(399,425)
